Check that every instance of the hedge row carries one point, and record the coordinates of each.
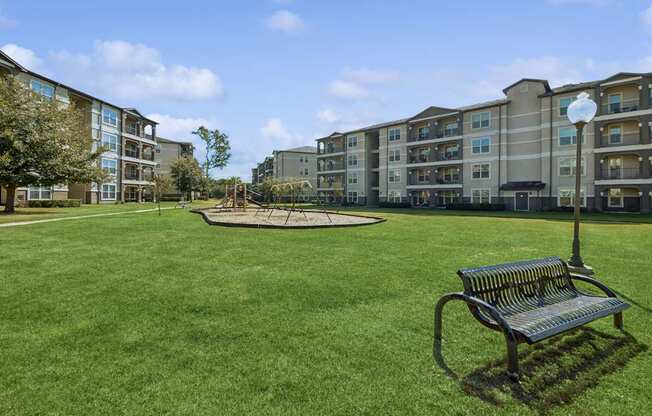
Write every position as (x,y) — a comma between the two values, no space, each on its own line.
(465,206)
(56,203)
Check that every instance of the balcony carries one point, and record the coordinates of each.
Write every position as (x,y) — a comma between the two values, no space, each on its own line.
(454,179)
(148,155)
(337,185)
(328,148)
(614,173)
(623,106)
(130,152)
(620,139)
(434,134)
(450,155)
(330,165)
(428,177)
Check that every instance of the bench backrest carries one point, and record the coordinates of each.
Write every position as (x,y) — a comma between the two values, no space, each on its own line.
(521,284)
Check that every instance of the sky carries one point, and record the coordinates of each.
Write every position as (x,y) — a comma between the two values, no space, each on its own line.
(275,74)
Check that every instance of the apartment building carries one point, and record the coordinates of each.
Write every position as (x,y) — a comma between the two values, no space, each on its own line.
(129,137)
(518,150)
(167,152)
(299,163)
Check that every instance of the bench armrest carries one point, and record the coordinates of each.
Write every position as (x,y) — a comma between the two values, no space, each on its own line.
(594,282)
(491,310)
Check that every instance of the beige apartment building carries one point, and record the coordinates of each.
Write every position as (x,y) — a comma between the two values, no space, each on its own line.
(125,132)
(518,150)
(299,163)
(167,152)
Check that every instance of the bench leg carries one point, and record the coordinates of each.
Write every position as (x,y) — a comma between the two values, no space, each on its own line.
(618,320)
(512,358)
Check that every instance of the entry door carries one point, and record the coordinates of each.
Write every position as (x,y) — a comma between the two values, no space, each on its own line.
(522,201)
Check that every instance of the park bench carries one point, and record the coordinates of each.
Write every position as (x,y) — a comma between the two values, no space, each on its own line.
(529,301)
(183,204)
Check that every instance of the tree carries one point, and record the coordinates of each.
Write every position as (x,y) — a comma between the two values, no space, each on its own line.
(187,174)
(42,142)
(217,148)
(162,183)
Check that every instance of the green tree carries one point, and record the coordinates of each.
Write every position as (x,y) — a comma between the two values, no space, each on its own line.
(42,142)
(218,148)
(162,184)
(187,174)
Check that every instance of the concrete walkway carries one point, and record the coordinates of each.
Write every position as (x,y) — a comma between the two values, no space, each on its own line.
(79,217)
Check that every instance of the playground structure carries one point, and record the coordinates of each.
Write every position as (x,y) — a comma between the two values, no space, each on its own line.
(239,208)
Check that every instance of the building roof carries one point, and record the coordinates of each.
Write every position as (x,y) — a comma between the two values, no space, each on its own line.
(164,140)
(542,81)
(21,68)
(434,111)
(300,149)
(483,104)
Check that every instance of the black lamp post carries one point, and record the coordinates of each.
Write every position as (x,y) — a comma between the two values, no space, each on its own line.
(580,113)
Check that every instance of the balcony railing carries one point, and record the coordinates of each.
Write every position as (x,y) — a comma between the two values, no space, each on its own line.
(443,156)
(449,179)
(621,107)
(148,156)
(132,176)
(434,134)
(620,139)
(330,166)
(131,153)
(449,133)
(333,185)
(331,149)
(608,173)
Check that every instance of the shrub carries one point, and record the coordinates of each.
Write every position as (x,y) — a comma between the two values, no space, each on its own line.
(465,206)
(394,204)
(56,203)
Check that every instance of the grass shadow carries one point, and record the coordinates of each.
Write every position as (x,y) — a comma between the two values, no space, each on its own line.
(553,373)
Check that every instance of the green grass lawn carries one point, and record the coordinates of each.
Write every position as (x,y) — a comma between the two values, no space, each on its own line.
(140,314)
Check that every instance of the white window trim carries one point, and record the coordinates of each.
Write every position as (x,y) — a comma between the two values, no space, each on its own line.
(389,134)
(396,177)
(40,192)
(394,155)
(353,141)
(572,197)
(115,192)
(622,132)
(480,190)
(116,141)
(480,139)
(559,129)
(559,107)
(480,114)
(111,160)
(480,178)
(571,158)
(620,205)
(116,117)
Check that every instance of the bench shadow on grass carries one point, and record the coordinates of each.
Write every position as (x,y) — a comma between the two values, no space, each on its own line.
(553,373)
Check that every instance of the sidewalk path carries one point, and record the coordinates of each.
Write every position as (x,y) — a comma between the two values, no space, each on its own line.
(106,214)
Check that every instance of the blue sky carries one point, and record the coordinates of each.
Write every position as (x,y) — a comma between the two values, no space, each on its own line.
(279,73)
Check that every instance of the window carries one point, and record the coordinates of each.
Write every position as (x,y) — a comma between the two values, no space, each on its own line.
(352,197)
(614,103)
(566,197)
(394,196)
(615,135)
(353,141)
(110,166)
(450,129)
(394,175)
(615,198)
(394,155)
(481,196)
(563,105)
(423,175)
(353,178)
(40,192)
(481,120)
(424,132)
(110,141)
(567,166)
(394,134)
(44,90)
(615,168)
(353,160)
(110,117)
(567,136)
(481,145)
(481,171)
(108,191)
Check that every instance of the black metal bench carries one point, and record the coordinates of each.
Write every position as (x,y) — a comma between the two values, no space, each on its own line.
(529,301)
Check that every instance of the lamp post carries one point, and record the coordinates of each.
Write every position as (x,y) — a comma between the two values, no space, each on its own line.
(580,113)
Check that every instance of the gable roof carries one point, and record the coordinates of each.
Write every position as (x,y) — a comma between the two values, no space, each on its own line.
(12,61)
(433,111)
(542,81)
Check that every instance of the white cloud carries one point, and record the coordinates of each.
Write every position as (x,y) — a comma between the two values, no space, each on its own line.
(181,128)
(370,76)
(25,57)
(134,72)
(275,130)
(646,16)
(285,21)
(327,115)
(5,22)
(347,90)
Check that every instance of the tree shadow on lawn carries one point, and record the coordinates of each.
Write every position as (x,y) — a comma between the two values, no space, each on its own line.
(553,373)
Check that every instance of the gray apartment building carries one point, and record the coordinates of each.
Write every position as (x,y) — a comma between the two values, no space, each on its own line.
(129,137)
(518,150)
(167,152)
(299,163)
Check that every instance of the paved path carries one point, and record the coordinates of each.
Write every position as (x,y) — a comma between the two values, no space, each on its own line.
(78,217)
